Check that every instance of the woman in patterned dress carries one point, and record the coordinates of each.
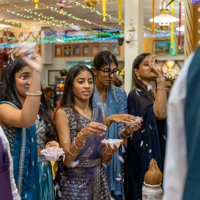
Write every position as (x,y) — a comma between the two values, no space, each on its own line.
(26,121)
(111,100)
(81,129)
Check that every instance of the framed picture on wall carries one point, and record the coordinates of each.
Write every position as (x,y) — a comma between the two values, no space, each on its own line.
(105,47)
(85,49)
(161,48)
(95,49)
(53,76)
(58,50)
(115,49)
(67,50)
(76,50)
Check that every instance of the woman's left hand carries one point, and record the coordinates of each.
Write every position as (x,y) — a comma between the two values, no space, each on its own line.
(52,144)
(108,150)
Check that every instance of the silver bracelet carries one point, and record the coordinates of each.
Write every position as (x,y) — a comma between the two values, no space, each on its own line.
(121,135)
(158,80)
(34,94)
(77,146)
(162,89)
(71,153)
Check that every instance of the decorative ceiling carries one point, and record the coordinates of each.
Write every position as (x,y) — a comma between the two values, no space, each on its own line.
(22,13)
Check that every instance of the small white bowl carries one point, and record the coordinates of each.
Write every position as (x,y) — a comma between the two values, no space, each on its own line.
(52,158)
(112,141)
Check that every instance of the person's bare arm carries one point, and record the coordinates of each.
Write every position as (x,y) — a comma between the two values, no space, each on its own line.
(27,116)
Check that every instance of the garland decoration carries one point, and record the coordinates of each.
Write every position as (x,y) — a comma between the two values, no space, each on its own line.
(120,12)
(36,5)
(104,9)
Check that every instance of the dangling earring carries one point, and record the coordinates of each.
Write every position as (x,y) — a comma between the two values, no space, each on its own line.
(139,79)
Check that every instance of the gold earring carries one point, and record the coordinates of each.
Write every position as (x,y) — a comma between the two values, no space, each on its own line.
(139,79)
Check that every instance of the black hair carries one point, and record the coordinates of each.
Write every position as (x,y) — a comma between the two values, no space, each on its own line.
(8,92)
(63,72)
(104,58)
(139,84)
(67,99)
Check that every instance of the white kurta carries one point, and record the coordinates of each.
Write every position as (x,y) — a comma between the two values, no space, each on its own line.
(175,168)
(13,185)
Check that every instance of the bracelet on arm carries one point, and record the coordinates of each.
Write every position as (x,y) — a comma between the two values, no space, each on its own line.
(80,138)
(76,145)
(162,89)
(158,80)
(71,153)
(105,162)
(37,93)
(122,136)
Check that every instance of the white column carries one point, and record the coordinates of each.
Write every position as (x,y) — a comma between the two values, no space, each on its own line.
(134,11)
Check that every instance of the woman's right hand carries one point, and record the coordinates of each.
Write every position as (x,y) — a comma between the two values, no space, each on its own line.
(93,128)
(155,67)
(35,63)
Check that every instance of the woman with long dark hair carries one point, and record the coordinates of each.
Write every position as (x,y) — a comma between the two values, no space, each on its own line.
(81,129)
(113,102)
(148,100)
(25,118)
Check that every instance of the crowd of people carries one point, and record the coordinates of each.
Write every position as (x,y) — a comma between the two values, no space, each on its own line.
(90,109)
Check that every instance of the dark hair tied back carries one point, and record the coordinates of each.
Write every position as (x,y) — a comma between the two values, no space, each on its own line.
(139,84)
(104,58)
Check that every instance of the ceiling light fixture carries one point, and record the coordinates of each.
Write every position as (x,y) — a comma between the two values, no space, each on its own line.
(164,19)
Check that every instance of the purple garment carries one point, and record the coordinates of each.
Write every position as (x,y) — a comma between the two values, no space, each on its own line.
(85,180)
(5,185)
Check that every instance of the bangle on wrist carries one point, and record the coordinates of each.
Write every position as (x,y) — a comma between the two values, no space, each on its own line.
(106,162)
(162,89)
(80,138)
(158,80)
(122,136)
(71,153)
(37,93)
(76,145)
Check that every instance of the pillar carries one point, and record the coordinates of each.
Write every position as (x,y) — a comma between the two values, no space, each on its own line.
(134,13)
(189,29)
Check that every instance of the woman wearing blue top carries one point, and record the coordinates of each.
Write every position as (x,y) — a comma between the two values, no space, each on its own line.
(26,121)
(149,101)
(111,100)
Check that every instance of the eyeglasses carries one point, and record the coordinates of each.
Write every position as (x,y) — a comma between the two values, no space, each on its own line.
(109,73)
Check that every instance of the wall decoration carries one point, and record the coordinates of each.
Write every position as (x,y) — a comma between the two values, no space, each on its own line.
(115,49)
(95,49)
(58,50)
(67,50)
(85,49)
(180,49)
(76,50)
(53,76)
(105,47)
(162,48)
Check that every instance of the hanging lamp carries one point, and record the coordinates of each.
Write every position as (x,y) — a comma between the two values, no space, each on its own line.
(36,3)
(164,19)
